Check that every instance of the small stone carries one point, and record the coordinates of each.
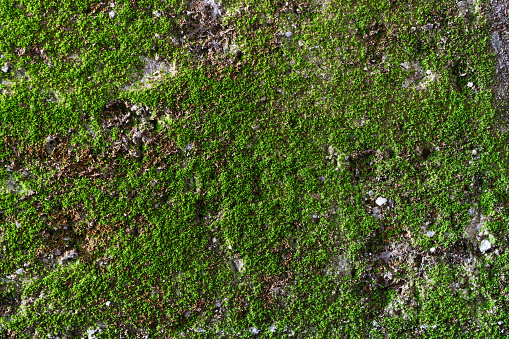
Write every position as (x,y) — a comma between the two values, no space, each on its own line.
(272,328)
(474,152)
(430,233)
(428,72)
(470,84)
(218,304)
(371,193)
(5,69)
(254,330)
(376,210)
(301,43)
(108,303)
(288,34)
(157,14)
(471,211)
(485,245)
(57,252)
(19,271)
(214,240)
(112,14)
(380,201)
(432,250)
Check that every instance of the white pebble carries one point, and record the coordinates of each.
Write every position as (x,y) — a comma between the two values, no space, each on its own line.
(288,34)
(430,233)
(470,84)
(485,245)
(380,201)
(214,239)
(428,72)
(371,193)
(108,303)
(254,330)
(474,152)
(432,250)
(19,271)
(5,69)
(112,14)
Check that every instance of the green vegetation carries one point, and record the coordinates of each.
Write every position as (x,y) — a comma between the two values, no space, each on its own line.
(211,169)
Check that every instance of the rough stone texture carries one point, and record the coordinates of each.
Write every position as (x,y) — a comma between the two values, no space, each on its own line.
(497,15)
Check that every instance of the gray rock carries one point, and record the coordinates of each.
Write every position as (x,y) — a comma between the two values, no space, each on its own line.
(288,34)
(19,271)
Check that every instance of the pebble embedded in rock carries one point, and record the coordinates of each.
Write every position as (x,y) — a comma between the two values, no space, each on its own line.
(380,201)
(485,245)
